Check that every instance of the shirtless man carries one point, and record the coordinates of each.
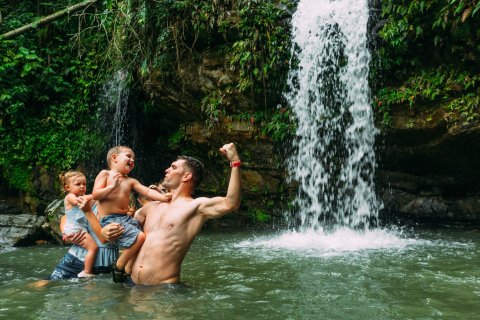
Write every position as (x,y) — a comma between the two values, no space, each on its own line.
(170,227)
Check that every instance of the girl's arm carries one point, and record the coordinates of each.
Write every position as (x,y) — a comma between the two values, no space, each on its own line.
(71,200)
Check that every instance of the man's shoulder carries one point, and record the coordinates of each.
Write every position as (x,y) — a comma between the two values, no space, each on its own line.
(201,200)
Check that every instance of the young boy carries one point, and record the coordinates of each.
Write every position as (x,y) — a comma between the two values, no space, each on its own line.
(112,191)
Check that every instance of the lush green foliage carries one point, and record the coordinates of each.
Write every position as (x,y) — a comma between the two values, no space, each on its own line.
(263,50)
(427,32)
(46,94)
(253,36)
(429,55)
(457,92)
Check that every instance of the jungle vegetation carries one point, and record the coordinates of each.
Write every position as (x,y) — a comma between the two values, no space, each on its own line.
(426,53)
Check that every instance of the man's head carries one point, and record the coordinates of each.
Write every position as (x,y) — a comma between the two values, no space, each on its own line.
(195,167)
(184,169)
(117,152)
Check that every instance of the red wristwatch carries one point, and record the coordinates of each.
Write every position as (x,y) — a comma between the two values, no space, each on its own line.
(234,164)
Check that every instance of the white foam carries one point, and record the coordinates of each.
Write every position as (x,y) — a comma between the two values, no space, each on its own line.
(339,242)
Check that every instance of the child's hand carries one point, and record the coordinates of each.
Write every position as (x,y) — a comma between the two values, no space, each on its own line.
(117,180)
(158,188)
(167,197)
(83,204)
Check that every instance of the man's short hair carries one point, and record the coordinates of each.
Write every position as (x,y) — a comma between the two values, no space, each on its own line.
(195,167)
(116,150)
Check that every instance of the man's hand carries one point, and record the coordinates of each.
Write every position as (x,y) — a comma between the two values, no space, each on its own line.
(77,238)
(230,152)
(112,231)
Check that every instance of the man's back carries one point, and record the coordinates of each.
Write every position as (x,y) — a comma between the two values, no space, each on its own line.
(170,228)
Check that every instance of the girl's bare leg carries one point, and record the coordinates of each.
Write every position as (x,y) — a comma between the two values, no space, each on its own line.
(92,250)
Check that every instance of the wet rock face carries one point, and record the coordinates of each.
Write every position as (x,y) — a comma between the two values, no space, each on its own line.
(431,171)
(262,167)
(428,163)
(22,225)
(18,229)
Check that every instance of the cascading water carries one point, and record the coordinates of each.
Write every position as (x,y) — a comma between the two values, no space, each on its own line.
(333,159)
(116,120)
(115,101)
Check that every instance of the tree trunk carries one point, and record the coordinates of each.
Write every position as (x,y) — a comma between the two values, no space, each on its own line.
(45,20)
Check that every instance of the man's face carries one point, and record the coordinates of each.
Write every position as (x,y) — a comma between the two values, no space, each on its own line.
(174,175)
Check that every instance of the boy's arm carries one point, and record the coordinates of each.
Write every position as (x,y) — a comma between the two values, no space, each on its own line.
(218,206)
(100,188)
(151,194)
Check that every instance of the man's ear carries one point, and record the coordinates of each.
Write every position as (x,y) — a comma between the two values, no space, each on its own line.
(187,176)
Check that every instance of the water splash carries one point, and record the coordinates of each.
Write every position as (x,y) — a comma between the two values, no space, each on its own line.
(342,241)
(333,159)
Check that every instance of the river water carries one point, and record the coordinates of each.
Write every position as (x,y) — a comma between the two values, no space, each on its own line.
(395,274)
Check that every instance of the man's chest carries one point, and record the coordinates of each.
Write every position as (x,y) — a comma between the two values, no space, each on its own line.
(167,218)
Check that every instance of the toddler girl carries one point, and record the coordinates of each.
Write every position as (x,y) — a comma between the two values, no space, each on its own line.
(74,183)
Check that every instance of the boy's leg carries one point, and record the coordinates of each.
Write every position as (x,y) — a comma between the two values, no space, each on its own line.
(129,266)
(131,252)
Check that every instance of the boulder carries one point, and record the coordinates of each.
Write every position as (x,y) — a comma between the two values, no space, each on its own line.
(19,229)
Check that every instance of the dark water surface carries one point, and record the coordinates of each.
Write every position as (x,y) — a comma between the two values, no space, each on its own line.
(415,274)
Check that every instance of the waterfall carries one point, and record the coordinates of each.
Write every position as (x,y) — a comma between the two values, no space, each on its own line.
(115,101)
(116,120)
(333,159)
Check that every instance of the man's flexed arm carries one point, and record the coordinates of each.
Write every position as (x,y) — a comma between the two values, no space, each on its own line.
(218,206)
(100,189)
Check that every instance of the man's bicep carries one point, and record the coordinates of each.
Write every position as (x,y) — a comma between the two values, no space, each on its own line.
(213,207)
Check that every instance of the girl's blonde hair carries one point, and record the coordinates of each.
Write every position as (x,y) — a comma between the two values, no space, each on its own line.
(66,177)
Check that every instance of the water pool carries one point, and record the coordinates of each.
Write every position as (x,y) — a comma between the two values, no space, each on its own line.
(409,274)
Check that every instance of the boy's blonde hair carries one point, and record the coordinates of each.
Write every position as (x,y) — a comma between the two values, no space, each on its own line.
(66,177)
(116,150)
